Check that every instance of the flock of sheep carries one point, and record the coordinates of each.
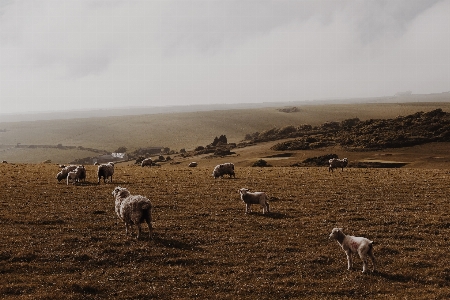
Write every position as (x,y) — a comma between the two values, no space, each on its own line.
(136,209)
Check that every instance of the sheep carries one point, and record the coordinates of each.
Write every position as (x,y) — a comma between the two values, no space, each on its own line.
(133,210)
(71,176)
(192,164)
(4,162)
(81,171)
(353,245)
(63,173)
(223,169)
(337,163)
(105,171)
(254,198)
(77,175)
(147,162)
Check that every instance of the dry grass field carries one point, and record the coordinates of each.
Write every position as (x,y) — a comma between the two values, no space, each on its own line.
(65,242)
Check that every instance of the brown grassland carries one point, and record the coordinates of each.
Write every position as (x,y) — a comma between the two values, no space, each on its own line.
(65,242)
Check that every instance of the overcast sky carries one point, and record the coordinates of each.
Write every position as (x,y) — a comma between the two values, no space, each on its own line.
(78,54)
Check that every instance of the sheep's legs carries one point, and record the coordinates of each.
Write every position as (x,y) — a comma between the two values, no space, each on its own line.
(139,230)
(126,228)
(372,257)
(364,260)
(349,260)
(248,208)
(149,228)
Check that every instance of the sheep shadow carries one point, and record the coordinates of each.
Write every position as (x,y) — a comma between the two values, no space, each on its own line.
(269,215)
(172,243)
(392,277)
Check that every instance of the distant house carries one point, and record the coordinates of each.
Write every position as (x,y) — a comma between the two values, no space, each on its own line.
(109,157)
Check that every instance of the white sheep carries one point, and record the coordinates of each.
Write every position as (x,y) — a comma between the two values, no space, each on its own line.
(254,198)
(76,175)
(224,169)
(105,171)
(63,173)
(353,245)
(133,210)
(337,163)
(147,162)
(192,164)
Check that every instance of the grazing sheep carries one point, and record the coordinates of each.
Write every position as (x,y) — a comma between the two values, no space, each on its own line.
(224,169)
(72,176)
(133,210)
(81,171)
(63,173)
(105,171)
(77,175)
(337,163)
(254,198)
(192,164)
(352,245)
(147,162)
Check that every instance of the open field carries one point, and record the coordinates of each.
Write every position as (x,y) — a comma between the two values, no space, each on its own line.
(176,130)
(64,241)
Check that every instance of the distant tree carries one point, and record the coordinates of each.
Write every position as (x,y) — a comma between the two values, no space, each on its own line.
(121,150)
(222,139)
(165,150)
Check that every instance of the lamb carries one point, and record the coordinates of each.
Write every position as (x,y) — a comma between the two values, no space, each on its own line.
(337,163)
(63,173)
(147,162)
(254,198)
(77,175)
(224,169)
(192,164)
(133,210)
(353,245)
(105,171)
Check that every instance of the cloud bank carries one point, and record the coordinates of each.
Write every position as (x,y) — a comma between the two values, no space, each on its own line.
(78,54)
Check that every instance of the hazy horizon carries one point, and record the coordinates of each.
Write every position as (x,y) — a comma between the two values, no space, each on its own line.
(90,54)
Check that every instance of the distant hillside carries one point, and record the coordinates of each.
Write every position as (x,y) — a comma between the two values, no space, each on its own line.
(147,110)
(374,134)
(75,138)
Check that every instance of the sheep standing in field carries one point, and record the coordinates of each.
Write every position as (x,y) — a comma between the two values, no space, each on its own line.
(254,198)
(81,173)
(147,162)
(63,173)
(337,163)
(105,171)
(353,245)
(224,169)
(133,210)
(76,175)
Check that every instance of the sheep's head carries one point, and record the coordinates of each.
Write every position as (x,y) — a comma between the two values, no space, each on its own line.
(336,233)
(243,191)
(60,176)
(121,192)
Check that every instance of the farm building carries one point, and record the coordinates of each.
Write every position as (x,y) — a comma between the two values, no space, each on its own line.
(109,157)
